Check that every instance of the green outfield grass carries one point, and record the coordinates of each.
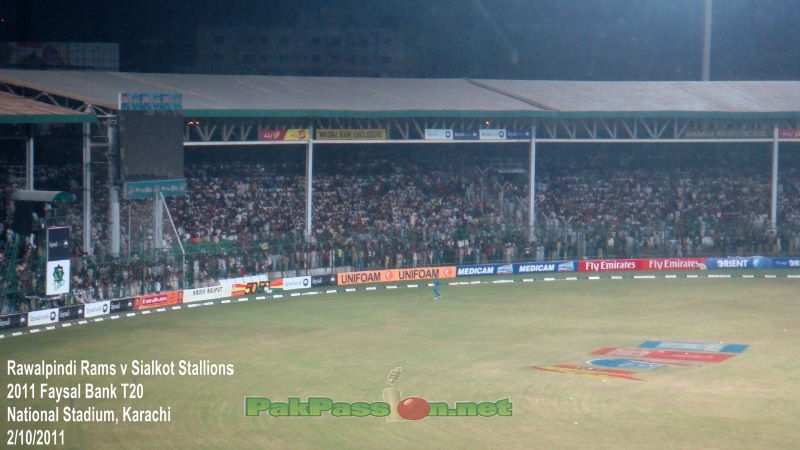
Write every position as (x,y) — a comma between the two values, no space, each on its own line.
(477,344)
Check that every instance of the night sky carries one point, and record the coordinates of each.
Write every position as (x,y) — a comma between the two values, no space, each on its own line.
(565,39)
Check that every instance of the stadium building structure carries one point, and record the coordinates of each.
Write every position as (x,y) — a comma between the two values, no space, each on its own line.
(26,113)
(233,110)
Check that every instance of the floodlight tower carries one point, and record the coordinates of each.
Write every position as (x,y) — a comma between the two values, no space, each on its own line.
(707,42)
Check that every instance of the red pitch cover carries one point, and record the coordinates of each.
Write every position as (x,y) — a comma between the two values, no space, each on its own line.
(590,371)
(663,354)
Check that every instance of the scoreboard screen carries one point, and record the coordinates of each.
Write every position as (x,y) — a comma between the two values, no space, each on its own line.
(151,144)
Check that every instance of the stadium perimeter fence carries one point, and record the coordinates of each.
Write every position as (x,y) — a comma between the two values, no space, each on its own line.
(147,270)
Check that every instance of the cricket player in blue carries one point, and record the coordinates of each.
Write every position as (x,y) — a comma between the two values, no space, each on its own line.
(437,289)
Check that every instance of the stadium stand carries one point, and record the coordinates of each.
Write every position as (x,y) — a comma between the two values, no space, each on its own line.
(246,216)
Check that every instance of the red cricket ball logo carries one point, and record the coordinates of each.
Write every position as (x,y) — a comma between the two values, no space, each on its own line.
(413,408)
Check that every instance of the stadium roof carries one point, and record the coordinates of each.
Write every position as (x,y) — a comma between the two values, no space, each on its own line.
(289,96)
(682,97)
(21,110)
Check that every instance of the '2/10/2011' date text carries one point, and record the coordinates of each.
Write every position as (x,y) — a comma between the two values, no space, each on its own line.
(34,437)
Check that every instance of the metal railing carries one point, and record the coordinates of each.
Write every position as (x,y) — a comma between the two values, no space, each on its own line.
(193,264)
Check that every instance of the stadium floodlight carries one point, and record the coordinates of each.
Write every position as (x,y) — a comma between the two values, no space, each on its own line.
(707,41)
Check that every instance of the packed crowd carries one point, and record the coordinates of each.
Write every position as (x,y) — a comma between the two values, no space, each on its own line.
(247,215)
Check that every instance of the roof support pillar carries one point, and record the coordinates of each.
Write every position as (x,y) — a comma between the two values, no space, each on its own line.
(158,222)
(87,188)
(532,188)
(29,152)
(113,190)
(309,183)
(773,215)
